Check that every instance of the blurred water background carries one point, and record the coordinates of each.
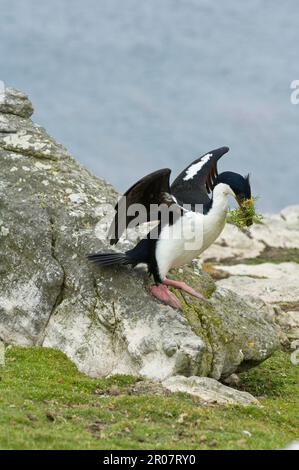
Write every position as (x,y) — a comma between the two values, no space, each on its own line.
(130,86)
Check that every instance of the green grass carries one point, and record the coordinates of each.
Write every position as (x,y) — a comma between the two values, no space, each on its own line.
(45,403)
(269,255)
(275,255)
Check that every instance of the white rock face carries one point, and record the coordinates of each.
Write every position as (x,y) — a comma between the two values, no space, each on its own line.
(291,216)
(209,390)
(271,282)
(278,232)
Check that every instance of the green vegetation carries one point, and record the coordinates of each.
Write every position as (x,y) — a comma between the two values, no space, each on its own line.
(245,215)
(275,255)
(268,255)
(289,306)
(45,403)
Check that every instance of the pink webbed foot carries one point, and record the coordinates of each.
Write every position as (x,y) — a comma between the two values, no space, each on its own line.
(161,292)
(183,286)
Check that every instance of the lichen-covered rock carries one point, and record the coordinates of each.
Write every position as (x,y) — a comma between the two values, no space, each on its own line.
(52,213)
(15,102)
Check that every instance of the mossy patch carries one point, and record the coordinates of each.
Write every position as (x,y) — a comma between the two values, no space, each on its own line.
(215,273)
(276,256)
(45,403)
(200,313)
(196,278)
(288,306)
(268,255)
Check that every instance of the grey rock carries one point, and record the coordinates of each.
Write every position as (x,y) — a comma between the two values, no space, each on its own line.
(15,102)
(233,380)
(276,231)
(269,285)
(209,390)
(279,231)
(18,134)
(52,213)
(271,282)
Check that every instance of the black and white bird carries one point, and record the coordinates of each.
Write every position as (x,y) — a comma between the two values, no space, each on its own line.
(187,232)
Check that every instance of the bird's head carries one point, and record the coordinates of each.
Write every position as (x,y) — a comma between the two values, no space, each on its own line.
(241,189)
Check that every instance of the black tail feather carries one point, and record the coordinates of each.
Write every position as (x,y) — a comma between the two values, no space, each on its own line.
(108,259)
(139,254)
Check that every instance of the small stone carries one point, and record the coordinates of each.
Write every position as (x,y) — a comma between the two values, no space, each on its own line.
(212,443)
(76,198)
(233,380)
(114,390)
(209,390)
(182,418)
(170,347)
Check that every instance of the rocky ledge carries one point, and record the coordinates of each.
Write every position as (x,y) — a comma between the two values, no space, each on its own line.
(263,264)
(52,212)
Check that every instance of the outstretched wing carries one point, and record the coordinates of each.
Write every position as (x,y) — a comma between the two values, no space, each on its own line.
(152,189)
(195,183)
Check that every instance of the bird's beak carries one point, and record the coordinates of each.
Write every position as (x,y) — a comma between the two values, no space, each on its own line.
(246,207)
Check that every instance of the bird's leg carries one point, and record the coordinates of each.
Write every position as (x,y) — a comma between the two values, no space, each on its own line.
(161,292)
(183,286)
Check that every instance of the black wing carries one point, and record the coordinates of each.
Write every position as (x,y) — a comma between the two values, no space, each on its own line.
(195,183)
(152,189)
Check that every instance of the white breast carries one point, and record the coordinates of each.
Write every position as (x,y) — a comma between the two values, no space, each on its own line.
(192,234)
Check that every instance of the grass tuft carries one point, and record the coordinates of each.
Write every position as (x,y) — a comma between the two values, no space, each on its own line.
(245,215)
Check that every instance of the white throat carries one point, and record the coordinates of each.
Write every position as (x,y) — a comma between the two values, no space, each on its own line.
(220,196)
(214,221)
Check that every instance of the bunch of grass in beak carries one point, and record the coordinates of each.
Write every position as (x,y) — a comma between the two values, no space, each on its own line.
(245,215)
